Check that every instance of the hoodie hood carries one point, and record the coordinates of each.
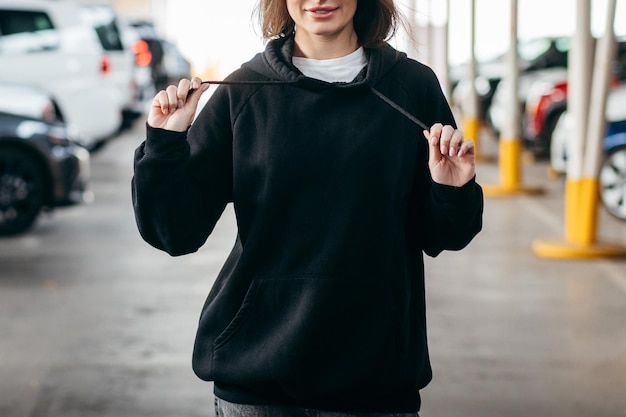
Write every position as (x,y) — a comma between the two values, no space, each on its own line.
(275,64)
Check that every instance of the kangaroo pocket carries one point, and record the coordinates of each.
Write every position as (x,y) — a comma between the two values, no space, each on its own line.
(311,337)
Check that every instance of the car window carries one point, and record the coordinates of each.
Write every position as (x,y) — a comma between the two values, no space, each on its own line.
(530,50)
(24,31)
(109,37)
(18,21)
(106,26)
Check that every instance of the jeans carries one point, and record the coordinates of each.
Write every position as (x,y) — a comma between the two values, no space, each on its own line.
(226,409)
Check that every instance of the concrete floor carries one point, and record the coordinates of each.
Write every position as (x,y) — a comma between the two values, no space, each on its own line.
(94,322)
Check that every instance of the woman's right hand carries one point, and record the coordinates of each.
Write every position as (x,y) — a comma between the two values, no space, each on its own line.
(171,108)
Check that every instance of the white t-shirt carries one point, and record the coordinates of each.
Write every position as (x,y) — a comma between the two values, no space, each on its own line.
(344,69)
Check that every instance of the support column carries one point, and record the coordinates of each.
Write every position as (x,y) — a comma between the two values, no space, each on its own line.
(511,146)
(585,149)
(471,122)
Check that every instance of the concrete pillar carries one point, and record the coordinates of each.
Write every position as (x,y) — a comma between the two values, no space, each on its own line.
(584,150)
(596,125)
(471,121)
(580,65)
(511,146)
(510,138)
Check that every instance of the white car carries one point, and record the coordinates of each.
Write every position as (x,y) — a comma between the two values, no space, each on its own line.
(118,58)
(615,111)
(528,83)
(46,44)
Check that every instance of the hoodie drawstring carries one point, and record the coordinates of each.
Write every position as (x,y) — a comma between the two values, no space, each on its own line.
(383,97)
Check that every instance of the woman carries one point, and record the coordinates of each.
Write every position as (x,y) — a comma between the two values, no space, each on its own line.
(320,305)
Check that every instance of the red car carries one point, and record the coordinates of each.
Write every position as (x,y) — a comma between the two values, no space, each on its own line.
(542,113)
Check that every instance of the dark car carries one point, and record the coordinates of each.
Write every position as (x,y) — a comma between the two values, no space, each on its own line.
(41,166)
(164,60)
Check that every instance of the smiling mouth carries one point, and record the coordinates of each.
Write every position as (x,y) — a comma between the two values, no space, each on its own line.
(321,11)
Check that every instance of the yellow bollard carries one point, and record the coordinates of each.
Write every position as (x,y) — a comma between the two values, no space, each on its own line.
(510,173)
(510,166)
(572,208)
(588,211)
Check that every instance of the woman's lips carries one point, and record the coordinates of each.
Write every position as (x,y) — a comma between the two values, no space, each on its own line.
(322,12)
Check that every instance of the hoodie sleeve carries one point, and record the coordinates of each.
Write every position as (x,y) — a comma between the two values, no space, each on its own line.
(446,217)
(182,182)
(443,217)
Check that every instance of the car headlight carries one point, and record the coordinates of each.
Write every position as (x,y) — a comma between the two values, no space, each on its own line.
(30,128)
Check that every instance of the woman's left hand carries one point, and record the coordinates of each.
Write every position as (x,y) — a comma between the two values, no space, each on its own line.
(452,159)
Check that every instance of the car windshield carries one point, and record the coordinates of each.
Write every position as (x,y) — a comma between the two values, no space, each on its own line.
(18,21)
(104,22)
(26,32)
(535,48)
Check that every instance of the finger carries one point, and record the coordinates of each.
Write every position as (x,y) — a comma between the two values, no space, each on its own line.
(194,95)
(434,134)
(197,84)
(172,98)
(467,148)
(161,102)
(445,141)
(456,141)
(434,154)
(183,88)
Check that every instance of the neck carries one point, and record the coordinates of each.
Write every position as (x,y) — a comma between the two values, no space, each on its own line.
(321,47)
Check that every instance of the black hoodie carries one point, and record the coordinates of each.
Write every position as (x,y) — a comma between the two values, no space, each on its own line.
(321,302)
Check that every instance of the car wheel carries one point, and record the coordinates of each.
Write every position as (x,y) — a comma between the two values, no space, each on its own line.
(613,182)
(22,191)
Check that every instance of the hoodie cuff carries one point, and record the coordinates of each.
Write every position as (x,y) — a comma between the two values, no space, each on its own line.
(456,199)
(161,141)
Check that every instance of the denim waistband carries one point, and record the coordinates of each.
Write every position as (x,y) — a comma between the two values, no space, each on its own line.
(226,409)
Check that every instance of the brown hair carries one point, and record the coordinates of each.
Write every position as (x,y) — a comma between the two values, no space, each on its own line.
(375,21)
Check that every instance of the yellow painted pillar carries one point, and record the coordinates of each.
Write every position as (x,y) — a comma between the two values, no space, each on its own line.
(510,146)
(588,211)
(471,131)
(510,166)
(471,120)
(582,184)
(573,192)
